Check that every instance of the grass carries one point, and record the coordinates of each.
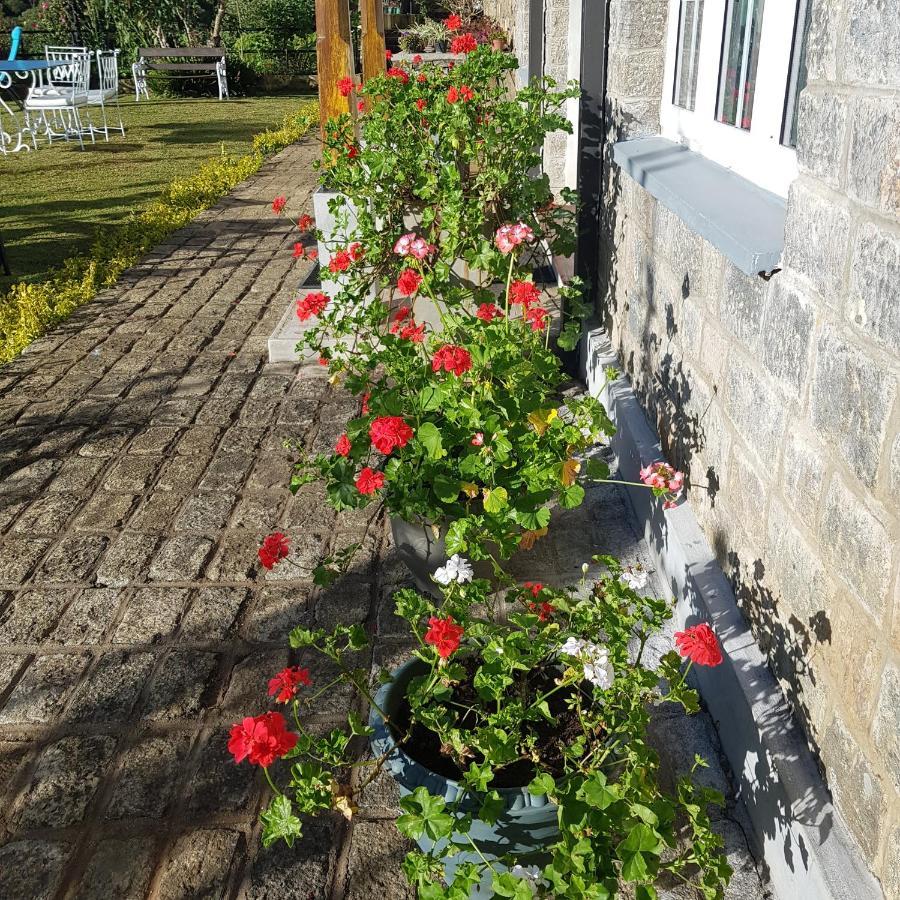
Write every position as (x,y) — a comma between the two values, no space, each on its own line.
(53,201)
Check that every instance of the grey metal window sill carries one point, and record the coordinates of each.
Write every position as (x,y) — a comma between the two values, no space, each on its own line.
(744,222)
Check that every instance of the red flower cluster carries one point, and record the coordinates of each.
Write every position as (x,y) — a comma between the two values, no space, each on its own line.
(465,43)
(397,72)
(388,55)
(345,86)
(313,304)
(368,481)
(453,359)
(278,204)
(524,292)
(444,635)
(408,283)
(275,547)
(343,446)
(452,94)
(466,92)
(388,433)
(262,739)
(544,610)
(420,104)
(299,250)
(365,404)
(487,312)
(412,332)
(352,151)
(508,237)
(323,360)
(453,22)
(421,78)
(340,262)
(305,222)
(477,439)
(664,479)
(536,316)
(356,251)
(286,682)
(417,59)
(699,644)
(534,586)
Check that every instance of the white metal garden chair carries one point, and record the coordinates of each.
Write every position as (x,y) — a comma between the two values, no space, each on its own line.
(64,97)
(107,91)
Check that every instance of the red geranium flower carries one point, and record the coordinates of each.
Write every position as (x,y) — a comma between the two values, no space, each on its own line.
(536,316)
(299,250)
(413,332)
(312,253)
(368,481)
(452,359)
(534,586)
(323,360)
(699,644)
(278,204)
(465,43)
(352,151)
(453,22)
(261,739)
(487,312)
(305,222)
(466,92)
(356,251)
(340,262)
(524,292)
(408,282)
(313,304)
(345,86)
(421,78)
(397,72)
(365,404)
(443,635)
(417,59)
(286,682)
(544,610)
(343,446)
(452,95)
(388,55)
(420,104)
(388,432)
(360,105)
(275,548)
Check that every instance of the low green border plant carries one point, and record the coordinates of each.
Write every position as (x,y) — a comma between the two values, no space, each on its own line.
(29,309)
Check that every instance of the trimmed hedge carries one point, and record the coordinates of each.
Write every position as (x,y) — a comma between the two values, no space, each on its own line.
(29,309)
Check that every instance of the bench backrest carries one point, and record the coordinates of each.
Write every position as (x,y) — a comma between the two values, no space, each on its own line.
(180,52)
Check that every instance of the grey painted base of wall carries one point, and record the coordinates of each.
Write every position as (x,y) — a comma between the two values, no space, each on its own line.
(804,842)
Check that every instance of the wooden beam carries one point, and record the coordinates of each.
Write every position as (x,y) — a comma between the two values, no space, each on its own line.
(373,46)
(334,56)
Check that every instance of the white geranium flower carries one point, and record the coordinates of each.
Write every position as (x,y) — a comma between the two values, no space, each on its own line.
(531,874)
(457,569)
(594,659)
(636,580)
(573,646)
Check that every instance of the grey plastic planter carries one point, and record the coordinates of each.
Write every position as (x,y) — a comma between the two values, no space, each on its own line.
(526,827)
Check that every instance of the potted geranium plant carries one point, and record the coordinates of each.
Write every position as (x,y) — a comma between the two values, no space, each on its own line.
(518,735)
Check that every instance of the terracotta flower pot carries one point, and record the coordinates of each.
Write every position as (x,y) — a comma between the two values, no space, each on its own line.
(498,44)
(525,828)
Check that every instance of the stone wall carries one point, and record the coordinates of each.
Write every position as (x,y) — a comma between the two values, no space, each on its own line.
(780,397)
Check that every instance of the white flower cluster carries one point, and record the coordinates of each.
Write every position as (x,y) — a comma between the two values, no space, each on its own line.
(594,658)
(635,579)
(532,875)
(456,569)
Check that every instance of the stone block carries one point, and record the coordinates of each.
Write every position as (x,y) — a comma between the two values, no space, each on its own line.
(32,615)
(219,786)
(785,336)
(132,474)
(72,559)
(856,788)
(105,512)
(276,871)
(237,557)
(227,472)
(857,545)
(149,773)
(181,473)
(181,558)
(741,306)
(886,729)
(120,869)
(207,511)
(242,439)
(87,618)
(154,439)
(309,546)
(212,613)
(822,126)
(151,615)
(874,280)
(110,691)
(32,868)
(65,780)
(803,468)
(48,514)
(156,513)
(850,400)
(277,610)
(637,74)
(871,42)
(250,679)
(200,439)
(259,512)
(747,493)
(816,240)
(128,560)
(182,686)
(105,442)
(198,865)
(377,850)
(757,411)
(76,475)
(43,689)
(345,602)
(638,25)
(13,755)
(874,159)
(18,556)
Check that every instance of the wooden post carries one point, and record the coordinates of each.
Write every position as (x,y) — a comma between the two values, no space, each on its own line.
(373,46)
(334,56)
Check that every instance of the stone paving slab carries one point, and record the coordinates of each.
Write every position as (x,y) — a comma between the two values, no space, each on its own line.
(141,463)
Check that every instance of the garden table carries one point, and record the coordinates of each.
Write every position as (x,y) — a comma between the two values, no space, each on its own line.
(22,69)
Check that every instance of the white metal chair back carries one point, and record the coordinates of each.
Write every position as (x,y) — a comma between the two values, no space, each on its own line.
(108,73)
(73,72)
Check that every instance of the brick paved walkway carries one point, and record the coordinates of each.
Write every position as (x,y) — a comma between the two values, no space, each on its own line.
(142,462)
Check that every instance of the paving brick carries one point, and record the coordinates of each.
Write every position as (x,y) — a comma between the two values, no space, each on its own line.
(106,442)
(248,682)
(76,474)
(132,474)
(219,786)
(65,780)
(32,868)
(276,611)
(156,513)
(151,615)
(18,556)
(111,689)
(72,559)
(48,514)
(207,511)
(31,615)
(236,558)
(198,865)
(182,686)
(105,512)
(377,850)
(212,613)
(128,559)
(43,689)
(120,869)
(181,558)
(87,617)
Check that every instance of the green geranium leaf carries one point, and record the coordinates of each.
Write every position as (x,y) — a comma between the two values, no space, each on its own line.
(280,823)
(445,489)
(430,438)
(424,814)
(495,500)
(542,784)
(491,808)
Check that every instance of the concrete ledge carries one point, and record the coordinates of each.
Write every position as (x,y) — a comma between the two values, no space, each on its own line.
(738,218)
(805,844)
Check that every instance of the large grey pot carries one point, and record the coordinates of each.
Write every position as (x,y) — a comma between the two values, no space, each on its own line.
(525,828)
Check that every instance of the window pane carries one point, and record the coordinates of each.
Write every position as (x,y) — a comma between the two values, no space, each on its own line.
(798,74)
(737,78)
(691,21)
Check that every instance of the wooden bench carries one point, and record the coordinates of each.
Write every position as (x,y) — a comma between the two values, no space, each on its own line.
(149,60)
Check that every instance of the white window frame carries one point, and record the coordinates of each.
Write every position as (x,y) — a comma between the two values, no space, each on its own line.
(756,154)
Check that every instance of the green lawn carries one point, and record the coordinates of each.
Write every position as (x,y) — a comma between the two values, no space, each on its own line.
(53,200)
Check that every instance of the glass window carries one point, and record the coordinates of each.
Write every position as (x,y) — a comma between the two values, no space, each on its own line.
(740,56)
(688,58)
(797,79)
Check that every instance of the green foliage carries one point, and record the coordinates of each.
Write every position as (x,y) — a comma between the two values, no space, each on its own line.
(31,308)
